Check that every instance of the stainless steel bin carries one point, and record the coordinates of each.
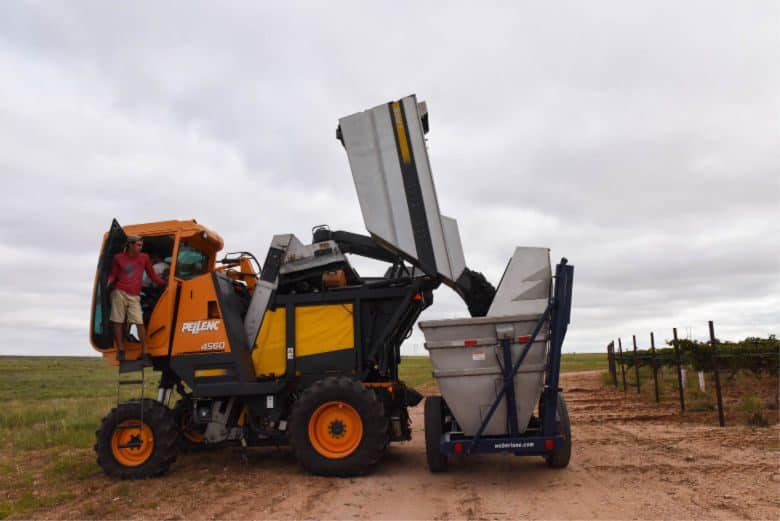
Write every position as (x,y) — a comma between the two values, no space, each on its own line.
(466,353)
(466,358)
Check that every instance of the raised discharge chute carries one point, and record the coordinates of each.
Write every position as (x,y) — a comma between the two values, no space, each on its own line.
(389,161)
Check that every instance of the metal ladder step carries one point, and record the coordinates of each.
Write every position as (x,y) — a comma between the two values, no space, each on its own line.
(129,366)
(137,378)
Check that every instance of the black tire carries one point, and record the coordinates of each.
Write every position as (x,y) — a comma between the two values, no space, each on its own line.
(190,434)
(357,429)
(434,426)
(157,448)
(560,456)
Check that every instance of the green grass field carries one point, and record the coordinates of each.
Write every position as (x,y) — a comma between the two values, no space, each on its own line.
(51,409)
(573,362)
(52,406)
(57,402)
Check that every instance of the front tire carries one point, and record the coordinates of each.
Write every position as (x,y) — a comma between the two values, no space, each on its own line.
(338,428)
(137,439)
(434,426)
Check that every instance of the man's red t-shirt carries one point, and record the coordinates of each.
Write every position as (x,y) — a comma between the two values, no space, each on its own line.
(128,272)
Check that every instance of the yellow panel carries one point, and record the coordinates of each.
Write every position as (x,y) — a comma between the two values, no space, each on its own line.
(322,329)
(204,373)
(268,356)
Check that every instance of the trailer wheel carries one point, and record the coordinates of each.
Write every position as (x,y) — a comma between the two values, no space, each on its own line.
(137,439)
(434,426)
(560,456)
(191,435)
(338,428)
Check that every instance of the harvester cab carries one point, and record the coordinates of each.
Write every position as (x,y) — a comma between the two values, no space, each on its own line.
(301,349)
(186,249)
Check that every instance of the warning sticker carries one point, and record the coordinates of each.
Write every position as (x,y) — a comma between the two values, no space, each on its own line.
(478,356)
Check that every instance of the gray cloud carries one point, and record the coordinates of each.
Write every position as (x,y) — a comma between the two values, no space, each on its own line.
(640,141)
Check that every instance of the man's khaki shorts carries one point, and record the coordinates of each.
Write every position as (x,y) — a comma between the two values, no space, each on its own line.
(125,306)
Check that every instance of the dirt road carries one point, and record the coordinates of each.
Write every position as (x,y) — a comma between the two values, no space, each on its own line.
(631,460)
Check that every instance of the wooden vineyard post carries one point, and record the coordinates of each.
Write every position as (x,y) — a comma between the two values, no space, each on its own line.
(679,371)
(636,366)
(611,362)
(716,369)
(622,367)
(655,368)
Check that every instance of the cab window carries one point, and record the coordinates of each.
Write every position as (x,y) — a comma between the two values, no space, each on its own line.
(190,262)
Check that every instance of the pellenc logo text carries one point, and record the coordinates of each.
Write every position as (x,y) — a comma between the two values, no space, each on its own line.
(200,325)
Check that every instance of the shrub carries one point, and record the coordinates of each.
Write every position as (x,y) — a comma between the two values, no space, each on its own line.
(754,408)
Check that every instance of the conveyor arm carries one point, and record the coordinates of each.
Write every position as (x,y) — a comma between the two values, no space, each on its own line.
(472,286)
(389,161)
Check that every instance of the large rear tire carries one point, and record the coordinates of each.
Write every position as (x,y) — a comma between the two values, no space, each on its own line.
(560,456)
(137,439)
(434,426)
(338,428)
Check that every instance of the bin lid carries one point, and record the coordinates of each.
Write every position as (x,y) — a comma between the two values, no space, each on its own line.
(526,285)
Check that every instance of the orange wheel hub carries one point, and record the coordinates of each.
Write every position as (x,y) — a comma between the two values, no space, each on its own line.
(335,430)
(132,443)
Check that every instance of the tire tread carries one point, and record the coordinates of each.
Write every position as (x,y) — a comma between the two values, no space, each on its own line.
(160,420)
(372,414)
(561,455)
(434,423)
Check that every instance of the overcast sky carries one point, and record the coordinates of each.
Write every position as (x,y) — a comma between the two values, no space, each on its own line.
(640,140)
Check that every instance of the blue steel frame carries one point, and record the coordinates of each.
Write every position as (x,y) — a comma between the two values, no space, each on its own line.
(536,441)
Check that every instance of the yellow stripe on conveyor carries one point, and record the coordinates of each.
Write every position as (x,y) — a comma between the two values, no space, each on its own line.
(400,131)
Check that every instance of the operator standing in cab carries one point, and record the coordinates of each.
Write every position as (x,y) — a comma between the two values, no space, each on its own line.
(126,276)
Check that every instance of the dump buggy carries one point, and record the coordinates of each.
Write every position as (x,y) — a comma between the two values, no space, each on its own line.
(494,372)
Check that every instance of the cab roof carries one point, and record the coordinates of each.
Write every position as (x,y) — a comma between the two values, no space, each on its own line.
(187,228)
